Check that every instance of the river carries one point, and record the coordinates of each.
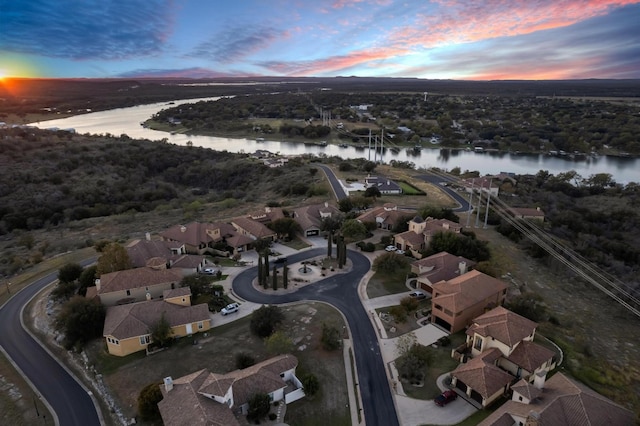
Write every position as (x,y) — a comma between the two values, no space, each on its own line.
(127,121)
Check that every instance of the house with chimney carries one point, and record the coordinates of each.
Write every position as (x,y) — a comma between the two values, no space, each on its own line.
(385,186)
(498,352)
(127,328)
(205,398)
(558,400)
(441,266)
(456,302)
(310,217)
(156,253)
(420,233)
(387,217)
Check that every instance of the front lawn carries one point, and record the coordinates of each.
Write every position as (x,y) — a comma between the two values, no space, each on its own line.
(385,283)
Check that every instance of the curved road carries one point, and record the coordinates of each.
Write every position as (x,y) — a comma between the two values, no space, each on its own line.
(69,400)
(439,180)
(338,190)
(341,291)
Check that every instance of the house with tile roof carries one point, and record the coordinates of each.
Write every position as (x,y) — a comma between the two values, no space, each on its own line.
(171,254)
(127,328)
(387,216)
(499,340)
(205,398)
(485,184)
(252,229)
(420,233)
(557,401)
(455,302)
(441,266)
(267,215)
(199,238)
(384,185)
(310,217)
(136,285)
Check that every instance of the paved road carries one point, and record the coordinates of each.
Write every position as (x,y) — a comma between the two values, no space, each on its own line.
(67,398)
(341,291)
(439,180)
(338,191)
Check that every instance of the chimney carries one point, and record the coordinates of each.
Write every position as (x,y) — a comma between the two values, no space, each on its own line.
(326,204)
(539,379)
(147,236)
(533,419)
(168,383)
(462,267)
(97,284)
(148,296)
(183,228)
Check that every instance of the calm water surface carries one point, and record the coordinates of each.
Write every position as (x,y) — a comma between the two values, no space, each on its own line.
(127,120)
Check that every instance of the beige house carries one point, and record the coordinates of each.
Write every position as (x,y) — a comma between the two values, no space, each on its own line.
(204,399)
(310,217)
(199,238)
(136,285)
(557,401)
(252,229)
(127,328)
(502,350)
(420,233)
(387,217)
(442,266)
(456,302)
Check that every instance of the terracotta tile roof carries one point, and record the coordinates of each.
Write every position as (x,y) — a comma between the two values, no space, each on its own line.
(482,376)
(176,292)
(565,402)
(433,226)
(527,212)
(183,405)
(503,325)
(311,216)
(137,278)
(92,292)
(239,240)
(136,319)
(387,215)
(194,233)
(140,251)
(267,215)
(530,356)
(187,261)
(442,266)
(252,227)
(411,238)
(526,389)
(466,290)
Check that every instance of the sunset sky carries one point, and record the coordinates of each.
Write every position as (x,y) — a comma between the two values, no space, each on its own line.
(436,39)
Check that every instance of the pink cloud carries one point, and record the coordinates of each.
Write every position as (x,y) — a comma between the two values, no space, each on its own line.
(465,22)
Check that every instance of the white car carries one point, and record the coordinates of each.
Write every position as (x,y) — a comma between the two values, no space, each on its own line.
(391,248)
(400,251)
(230,308)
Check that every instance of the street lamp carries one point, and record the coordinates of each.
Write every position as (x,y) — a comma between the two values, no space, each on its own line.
(8,284)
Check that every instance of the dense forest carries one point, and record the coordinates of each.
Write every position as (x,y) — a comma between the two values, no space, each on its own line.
(506,123)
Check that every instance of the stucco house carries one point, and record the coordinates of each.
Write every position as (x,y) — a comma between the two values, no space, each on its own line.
(267,215)
(310,217)
(502,350)
(420,233)
(484,184)
(252,229)
(557,401)
(127,328)
(199,238)
(171,254)
(456,302)
(441,266)
(387,216)
(205,398)
(136,285)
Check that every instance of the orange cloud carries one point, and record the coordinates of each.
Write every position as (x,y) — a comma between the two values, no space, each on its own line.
(466,22)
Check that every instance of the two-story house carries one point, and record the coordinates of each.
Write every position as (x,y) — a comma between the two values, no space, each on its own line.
(310,217)
(455,302)
(420,233)
(441,266)
(502,350)
(387,216)
(205,398)
(136,285)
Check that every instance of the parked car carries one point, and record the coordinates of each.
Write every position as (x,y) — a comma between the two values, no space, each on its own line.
(417,295)
(391,248)
(230,308)
(400,251)
(209,271)
(445,397)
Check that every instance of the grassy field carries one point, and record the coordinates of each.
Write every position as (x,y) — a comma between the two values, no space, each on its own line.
(383,283)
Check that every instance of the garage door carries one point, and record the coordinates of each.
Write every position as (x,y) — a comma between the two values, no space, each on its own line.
(476,396)
(442,323)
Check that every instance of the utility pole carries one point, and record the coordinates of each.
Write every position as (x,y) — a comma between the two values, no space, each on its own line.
(369,144)
(486,213)
(479,205)
(470,200)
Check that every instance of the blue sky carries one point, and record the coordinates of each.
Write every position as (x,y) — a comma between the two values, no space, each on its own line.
(437,39)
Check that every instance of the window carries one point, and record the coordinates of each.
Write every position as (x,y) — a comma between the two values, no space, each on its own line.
(477,344)
(200,325)
(144,340)
(128,292)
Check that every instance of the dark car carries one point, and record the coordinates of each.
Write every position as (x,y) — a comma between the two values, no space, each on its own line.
(445,397)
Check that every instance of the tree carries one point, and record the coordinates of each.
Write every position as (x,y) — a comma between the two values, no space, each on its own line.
(285,227)
(244,360)
(161,332)
(80,320)
(411,365)
(310,384)
(259,406)
(330,337)
(70,272)
(372,192)
(274,283)
(114,258)
(353,229)
(87,279)
(285,275)
(198,284)
(390,262)
(148,400)
(345,205)
(262,244)
(265,320)
(369,166)
(278,343)
(404,343)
